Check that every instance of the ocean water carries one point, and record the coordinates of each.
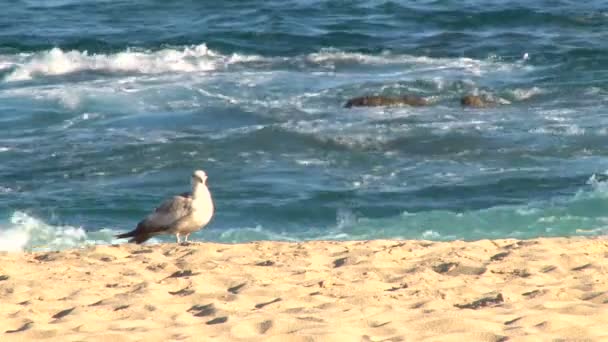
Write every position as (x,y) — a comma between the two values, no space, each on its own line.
(106,107)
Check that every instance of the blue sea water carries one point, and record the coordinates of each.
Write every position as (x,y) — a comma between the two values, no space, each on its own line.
(106,107)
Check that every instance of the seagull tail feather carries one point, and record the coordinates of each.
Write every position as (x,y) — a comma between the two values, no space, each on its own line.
(134,236)
(125,235)
(140,238)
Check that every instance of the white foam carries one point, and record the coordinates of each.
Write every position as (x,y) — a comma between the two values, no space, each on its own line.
(199,58)
(524,94)
(330,56)
(598,184)
(4,65)
(13,240)
(334,55)
(311,162)
(595,231)
(345,218)
(67,97)
(239,131)
(238,58)
(83,117)
(59,62)
(430,235)
(572,130)
(5,190)
(25,232)
(525,211)
(235,235)
(563,130)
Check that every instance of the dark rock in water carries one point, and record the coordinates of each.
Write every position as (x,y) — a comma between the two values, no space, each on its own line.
(474,101)
(376,101)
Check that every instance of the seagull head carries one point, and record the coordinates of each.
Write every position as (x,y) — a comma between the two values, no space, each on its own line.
(199,177)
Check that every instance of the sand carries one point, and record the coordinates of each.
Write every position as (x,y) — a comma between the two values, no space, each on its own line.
(500,290)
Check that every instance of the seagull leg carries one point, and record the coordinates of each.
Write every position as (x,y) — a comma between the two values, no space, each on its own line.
(186,238)
(177,236)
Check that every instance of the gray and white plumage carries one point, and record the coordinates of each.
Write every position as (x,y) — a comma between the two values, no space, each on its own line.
(181,215)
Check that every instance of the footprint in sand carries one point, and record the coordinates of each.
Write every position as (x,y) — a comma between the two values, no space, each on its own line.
(510,322)
(340,262)
(157,267)
(375,324)
(521,273)
(418,305)
(24,327)
(499,256)
(264,326)
(217,320)
(182,274)
(182,293)
(366,338)
(582,267)
(311,319)
(265,263)
(395,288)
(445,267)
(63,313)
(236,289)
(548,269)
(101,257)
(142,251)
(203,310)
(523,243)
(261,305)
(599,297)
(52,256)
(534,293)
(482,303)
(456,269)
(99,302)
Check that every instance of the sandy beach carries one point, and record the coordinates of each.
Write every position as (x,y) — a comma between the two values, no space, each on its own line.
(488,290)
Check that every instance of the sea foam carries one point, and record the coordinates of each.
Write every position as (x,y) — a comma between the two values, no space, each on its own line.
(25,232)
(199,58)
(59,62)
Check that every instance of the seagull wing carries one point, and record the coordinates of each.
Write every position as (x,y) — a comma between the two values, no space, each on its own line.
(167,214)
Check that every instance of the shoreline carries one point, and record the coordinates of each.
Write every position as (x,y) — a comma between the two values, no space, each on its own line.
(395,290)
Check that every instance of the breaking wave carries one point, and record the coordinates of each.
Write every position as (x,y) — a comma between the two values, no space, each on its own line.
(25,232)
(199,58)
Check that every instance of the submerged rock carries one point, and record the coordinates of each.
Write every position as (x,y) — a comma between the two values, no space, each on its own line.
(377,101)
(475,101)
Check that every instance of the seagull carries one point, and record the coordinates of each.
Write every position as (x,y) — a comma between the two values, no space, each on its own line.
(181,215)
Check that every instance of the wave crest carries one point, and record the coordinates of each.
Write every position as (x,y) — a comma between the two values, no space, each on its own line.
(199,58)
(59,62)
(24,232)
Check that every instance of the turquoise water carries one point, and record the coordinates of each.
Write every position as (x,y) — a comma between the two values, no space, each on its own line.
(106,107)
